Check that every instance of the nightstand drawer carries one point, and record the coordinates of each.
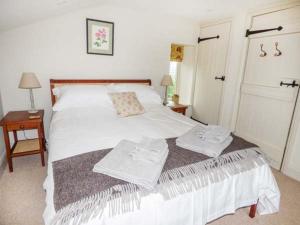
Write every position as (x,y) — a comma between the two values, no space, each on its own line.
(179,110)
(21,126)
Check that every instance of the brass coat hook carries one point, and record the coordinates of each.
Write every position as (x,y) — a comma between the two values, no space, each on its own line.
(263,52)
(278,52)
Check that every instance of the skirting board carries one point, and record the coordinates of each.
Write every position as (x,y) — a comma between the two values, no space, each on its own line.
(291,173)
(2,157)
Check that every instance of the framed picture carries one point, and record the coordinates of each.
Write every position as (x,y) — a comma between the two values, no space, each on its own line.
(100,37)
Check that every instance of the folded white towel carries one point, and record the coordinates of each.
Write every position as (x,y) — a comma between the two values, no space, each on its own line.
(212,133)
(150,150)
(119,164)
(195,140)
(146,157)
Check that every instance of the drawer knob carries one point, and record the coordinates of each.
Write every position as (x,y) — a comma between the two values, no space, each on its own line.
(22,126)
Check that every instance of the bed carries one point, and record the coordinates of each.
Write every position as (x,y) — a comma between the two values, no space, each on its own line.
(76,131)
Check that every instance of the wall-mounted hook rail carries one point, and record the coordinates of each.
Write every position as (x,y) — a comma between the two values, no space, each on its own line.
(263,52)
(208,38)
(293,84)
(278,52)
(250,32)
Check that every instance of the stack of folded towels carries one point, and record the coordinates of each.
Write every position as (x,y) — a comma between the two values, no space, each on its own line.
(138,163)
(209,140)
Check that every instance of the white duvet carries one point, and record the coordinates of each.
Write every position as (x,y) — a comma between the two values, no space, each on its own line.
(76,131)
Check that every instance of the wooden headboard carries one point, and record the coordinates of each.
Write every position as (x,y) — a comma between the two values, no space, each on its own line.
(58,82)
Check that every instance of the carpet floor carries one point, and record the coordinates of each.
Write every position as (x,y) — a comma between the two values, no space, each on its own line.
(22,198)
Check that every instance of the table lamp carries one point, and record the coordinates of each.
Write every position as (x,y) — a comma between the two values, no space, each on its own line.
(30,81)
(166,81)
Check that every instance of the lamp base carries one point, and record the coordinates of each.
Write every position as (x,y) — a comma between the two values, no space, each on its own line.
(165,102)
(32,111)
(166,96)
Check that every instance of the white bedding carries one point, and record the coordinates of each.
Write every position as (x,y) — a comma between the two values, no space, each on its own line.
(76,131)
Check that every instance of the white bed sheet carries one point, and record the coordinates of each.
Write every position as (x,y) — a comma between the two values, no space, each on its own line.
(76,131)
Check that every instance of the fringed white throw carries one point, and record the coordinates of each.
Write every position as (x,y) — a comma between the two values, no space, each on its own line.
(185,171)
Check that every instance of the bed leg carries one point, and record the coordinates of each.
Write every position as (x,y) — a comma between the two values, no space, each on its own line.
(252,211)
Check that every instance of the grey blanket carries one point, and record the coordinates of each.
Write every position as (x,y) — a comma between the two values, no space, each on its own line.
(74,179)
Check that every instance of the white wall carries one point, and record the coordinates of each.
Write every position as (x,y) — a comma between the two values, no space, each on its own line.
(56,48)
(186,75)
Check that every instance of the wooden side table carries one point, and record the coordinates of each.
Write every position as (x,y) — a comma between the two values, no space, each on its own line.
(17,121)
(178,108)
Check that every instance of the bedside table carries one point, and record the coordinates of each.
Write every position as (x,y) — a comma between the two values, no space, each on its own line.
(178,107)
(18,121)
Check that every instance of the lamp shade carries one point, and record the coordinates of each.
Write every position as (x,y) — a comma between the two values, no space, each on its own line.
(29,81)
(166,81)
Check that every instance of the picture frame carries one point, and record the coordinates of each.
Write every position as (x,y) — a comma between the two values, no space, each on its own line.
(99,37)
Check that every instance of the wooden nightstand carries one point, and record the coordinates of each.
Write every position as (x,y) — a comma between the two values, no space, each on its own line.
(178,107)
(17,121)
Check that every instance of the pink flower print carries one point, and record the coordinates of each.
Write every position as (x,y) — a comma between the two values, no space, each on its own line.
(101,37)
(101,33)
(98,35)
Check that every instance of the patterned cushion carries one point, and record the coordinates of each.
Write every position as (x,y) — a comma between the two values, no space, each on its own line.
(126,103)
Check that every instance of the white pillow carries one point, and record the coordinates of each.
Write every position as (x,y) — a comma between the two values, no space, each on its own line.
(145,93)
(76,96)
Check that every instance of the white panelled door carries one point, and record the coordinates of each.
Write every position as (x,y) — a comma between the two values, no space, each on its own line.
(266,107)
(211,64)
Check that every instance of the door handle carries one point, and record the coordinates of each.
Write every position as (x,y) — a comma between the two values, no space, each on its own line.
(293,84)
(222,78)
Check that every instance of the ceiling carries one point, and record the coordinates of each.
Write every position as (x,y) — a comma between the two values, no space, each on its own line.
(14,13)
